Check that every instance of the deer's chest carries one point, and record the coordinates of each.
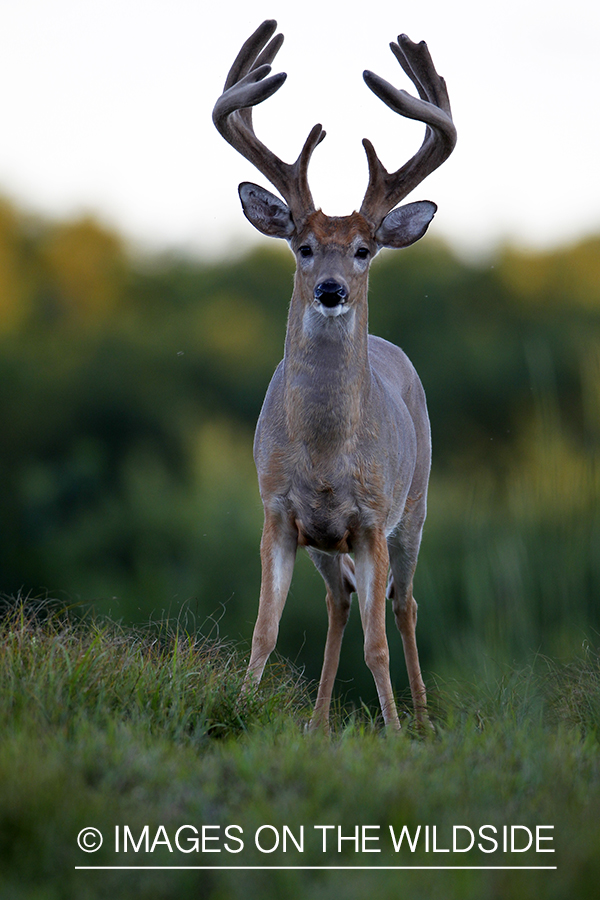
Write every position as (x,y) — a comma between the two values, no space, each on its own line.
(331,505)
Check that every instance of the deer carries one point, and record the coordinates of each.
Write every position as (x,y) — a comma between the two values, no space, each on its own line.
(342,445)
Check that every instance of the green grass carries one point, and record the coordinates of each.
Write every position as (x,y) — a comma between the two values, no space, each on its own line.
(102,726)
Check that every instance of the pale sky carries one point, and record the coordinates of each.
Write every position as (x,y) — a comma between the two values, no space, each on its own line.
(106,107)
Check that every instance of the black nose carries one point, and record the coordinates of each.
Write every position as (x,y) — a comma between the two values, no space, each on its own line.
(331,293)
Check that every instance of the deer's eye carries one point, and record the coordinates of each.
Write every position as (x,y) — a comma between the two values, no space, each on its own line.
(305,251)
(362,253)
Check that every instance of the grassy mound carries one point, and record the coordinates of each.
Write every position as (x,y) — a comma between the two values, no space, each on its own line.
(141,735)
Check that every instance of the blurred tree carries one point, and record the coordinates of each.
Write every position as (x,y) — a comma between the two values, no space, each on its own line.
(15,278)
(85,270)
(130,390)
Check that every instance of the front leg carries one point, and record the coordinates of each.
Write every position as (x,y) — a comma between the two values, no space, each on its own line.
(372,562)
(277,553)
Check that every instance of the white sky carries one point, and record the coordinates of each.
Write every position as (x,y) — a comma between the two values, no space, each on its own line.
(106,107)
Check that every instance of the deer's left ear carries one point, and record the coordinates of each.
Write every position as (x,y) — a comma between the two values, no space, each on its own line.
(405,225)
(268,213)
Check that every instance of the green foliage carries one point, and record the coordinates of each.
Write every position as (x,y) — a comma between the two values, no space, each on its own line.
(130,392)
(105,726)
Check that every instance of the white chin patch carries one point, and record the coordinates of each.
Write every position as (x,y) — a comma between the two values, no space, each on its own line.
(332,311)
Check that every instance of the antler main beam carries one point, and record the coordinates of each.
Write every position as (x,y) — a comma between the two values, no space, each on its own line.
(386,189)
(247,85)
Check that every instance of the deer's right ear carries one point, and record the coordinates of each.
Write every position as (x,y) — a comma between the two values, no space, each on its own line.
(267,212)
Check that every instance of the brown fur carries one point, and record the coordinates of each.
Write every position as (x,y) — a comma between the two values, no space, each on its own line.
(336,230)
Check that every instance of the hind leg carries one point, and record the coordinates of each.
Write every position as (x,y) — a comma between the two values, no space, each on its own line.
(403,548)
(338,574)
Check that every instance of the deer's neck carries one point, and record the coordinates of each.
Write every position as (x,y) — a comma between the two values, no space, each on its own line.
(327,375)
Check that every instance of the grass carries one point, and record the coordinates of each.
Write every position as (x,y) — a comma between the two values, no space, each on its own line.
(103,726)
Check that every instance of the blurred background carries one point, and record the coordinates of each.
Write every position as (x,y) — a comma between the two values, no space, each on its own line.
(141,317)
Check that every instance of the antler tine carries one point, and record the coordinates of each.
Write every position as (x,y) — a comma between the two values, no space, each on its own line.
(386,189)
(247,85)
(250,57)
(264,59)
(418,65)
(247,57)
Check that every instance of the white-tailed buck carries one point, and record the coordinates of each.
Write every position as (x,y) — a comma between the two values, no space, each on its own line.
(342,445)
